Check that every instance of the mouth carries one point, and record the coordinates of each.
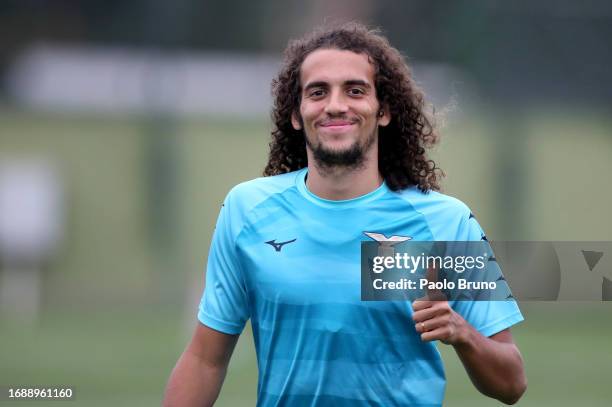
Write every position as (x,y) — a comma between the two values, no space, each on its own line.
(336,125)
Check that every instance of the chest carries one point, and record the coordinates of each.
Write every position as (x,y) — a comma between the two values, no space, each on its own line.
(306,259)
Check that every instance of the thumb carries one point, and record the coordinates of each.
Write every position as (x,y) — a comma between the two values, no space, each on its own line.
(433,293)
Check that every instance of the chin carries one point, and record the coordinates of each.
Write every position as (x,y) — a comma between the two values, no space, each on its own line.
(338,145)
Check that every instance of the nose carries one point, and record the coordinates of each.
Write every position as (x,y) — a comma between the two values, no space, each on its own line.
(336,103)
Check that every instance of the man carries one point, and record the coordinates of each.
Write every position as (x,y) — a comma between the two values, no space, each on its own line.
(347,157)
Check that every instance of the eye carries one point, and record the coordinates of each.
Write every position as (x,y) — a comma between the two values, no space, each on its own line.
(315,93)
(356,91)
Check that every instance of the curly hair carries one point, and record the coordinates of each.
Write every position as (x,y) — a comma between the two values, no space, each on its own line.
(402,159)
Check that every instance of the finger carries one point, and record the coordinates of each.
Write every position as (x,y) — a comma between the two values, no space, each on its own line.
(440,305)
(421,304)
(439,334)
(434,294)
(431,295)
(432,324)
(431,274)
(425,314)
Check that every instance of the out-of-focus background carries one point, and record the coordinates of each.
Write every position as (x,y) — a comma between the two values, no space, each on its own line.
(124,124)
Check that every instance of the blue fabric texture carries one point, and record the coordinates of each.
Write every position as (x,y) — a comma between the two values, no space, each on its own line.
(290,262)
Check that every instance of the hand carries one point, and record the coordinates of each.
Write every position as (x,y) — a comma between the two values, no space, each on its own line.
(436,320)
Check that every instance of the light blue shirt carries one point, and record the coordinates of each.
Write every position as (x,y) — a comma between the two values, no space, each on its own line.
(290,261)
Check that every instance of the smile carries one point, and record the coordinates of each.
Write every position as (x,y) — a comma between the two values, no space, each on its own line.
(336,125)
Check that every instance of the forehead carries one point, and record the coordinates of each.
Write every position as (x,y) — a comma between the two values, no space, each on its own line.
(336,66)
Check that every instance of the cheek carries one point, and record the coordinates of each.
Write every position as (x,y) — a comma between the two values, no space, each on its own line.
(373,109)
(309,112)
(368,110)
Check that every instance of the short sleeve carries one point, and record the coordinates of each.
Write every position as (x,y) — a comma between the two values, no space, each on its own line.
(224,305)
(487,317)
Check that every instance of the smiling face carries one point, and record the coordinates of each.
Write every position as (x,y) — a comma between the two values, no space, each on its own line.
(339,111)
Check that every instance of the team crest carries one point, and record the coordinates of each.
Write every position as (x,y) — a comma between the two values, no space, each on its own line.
(386,244)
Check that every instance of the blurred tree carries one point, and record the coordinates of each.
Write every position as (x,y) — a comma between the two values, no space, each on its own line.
(522,50)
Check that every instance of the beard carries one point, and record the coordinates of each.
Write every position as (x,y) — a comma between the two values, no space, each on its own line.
(347,159)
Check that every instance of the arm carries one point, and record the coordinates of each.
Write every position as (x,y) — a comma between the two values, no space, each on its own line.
(198,375)
(494,364)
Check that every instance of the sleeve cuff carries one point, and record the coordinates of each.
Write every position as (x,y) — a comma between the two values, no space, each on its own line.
(218,325)
(500,325)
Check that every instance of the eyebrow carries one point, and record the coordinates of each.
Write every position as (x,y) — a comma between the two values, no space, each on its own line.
(350,82)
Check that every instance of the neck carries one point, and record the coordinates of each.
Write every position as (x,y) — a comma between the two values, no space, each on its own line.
(343,183)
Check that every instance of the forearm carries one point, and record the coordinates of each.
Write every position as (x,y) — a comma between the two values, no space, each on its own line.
(193,382)
(495,368)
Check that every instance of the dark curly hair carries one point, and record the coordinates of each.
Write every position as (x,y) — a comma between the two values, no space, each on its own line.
(402,143)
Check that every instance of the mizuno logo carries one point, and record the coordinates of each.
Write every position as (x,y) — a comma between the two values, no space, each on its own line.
(279,246)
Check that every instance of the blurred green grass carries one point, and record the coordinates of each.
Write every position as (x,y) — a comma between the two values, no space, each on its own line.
(124,359)
(105,330)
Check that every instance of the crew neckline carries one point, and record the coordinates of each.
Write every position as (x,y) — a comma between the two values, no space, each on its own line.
(336,204)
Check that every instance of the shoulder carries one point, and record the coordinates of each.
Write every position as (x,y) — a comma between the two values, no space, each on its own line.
(252,192)
(242,199)
(245,196)
(447,217)
(434,203)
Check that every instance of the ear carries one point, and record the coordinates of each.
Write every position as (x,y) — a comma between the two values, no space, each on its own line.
(295,121)
(384,116)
